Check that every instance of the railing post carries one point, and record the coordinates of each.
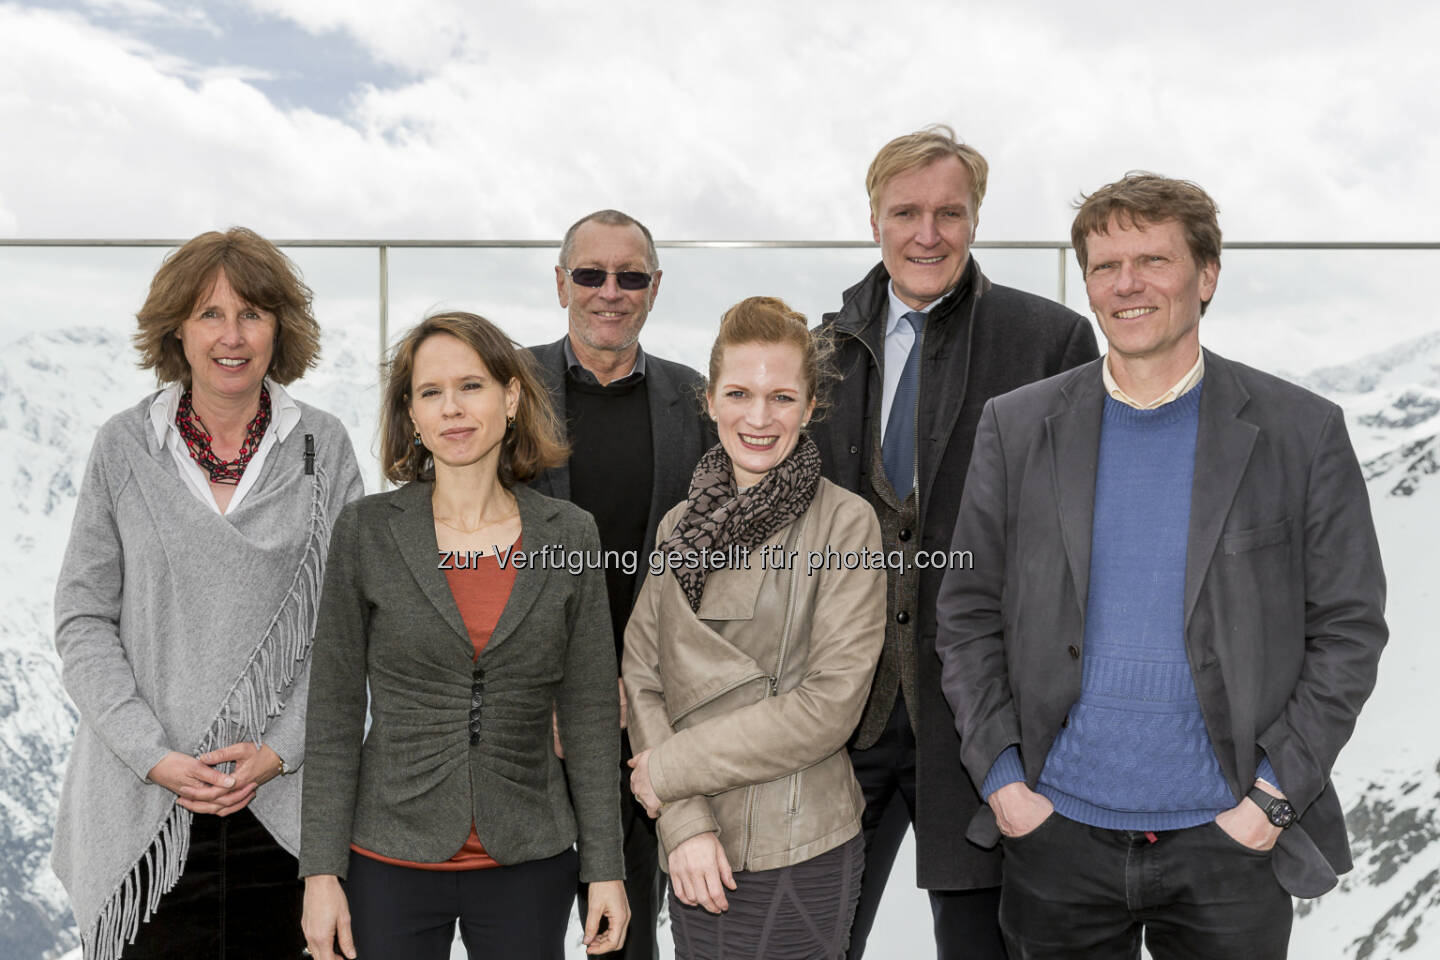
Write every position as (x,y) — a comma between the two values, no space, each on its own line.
(384,326)
(1060,285)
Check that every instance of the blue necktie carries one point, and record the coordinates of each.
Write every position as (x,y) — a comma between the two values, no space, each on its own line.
(898,449)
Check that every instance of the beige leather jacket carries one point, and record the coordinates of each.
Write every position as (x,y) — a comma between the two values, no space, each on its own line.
(748,705)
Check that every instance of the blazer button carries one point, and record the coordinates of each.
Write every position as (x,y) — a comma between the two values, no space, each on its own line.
(1074,651)
(904,533)
(854,449)
(902,617)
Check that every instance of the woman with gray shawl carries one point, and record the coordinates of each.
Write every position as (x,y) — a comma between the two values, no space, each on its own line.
(184,613)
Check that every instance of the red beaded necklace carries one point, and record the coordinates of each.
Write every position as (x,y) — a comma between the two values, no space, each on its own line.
(198,439)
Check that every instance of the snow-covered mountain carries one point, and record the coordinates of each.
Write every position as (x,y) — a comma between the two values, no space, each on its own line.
(57,387)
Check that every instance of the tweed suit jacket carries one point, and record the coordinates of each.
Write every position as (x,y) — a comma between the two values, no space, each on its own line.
(1284,591)
(679,434)
(454,740)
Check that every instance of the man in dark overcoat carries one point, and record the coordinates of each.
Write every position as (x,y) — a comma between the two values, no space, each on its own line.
(921,343)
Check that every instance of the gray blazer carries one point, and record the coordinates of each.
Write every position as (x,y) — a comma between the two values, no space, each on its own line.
(679,430)
(425,771)
(1284,593)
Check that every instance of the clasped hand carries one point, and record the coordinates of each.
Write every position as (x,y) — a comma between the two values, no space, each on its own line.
(204,789)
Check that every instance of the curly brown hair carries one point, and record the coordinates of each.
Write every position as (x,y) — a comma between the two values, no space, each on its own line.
(536,440)
(259,274)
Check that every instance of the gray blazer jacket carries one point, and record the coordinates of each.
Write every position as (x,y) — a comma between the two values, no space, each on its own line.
(679,431)
(1284,593)
(454,740)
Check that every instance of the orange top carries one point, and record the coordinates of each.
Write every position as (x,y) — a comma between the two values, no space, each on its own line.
(480,593)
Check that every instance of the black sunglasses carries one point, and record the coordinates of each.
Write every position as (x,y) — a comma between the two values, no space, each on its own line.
(595,277)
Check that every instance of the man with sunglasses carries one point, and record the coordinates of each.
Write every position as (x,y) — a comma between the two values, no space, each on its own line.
(921,343)
(636,431)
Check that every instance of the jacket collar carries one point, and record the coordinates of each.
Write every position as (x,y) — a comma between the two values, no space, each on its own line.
(865,306)
(413,526)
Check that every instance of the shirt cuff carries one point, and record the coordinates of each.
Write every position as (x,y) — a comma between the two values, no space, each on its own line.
(1006,770)
(1263,771)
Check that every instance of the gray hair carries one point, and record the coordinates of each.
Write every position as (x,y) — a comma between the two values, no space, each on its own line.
(610,218)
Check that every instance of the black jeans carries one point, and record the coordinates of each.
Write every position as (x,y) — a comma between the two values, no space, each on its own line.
(1076,891)
(237,899)
(965,921)
(518,912)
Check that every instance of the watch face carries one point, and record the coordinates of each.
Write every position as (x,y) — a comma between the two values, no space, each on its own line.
(1281,813)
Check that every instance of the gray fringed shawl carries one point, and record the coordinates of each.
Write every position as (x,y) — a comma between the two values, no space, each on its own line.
(180,629)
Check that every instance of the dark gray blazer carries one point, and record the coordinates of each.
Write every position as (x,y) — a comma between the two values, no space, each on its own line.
(679,431)
(1284,593)
(419,780)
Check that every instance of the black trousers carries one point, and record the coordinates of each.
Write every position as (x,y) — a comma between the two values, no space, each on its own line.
(1075,891)
(238,898)
(518,912)
(644,883)
(965,921)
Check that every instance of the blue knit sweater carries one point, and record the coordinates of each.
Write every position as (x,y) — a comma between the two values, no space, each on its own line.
(1135,754)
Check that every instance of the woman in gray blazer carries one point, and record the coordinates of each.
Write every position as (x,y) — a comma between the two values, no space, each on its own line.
(471,608)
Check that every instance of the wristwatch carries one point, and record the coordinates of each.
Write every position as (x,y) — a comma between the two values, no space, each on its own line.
(1277,810)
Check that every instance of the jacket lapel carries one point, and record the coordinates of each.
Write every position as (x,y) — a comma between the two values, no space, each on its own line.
(413,527)
(666,431)
(537,529)
(550,364)
(968,296)
(1074,434)
(1223,444)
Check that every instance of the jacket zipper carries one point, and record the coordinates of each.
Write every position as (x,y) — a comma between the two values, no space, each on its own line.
(919,363)
(748,678)
(774,688)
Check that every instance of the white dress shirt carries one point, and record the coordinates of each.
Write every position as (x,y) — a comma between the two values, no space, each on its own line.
(899,337)
(284,414)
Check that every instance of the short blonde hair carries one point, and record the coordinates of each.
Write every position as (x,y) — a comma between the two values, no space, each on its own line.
(260,275)
(920,149)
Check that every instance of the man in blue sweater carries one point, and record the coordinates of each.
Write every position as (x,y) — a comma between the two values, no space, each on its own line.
(1174,615)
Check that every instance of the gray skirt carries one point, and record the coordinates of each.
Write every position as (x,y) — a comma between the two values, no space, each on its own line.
(799,912)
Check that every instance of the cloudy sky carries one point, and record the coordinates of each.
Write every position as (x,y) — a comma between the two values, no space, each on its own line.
(740,120)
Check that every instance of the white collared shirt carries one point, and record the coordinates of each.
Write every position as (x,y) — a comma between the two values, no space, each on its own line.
(899,338)
(1182,387)
(284,415)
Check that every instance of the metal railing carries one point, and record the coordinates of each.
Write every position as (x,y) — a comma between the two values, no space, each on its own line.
(382,248)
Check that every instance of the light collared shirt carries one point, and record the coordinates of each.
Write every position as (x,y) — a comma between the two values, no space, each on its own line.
(899,338)
(1184,386)
(284,415)
(573,364)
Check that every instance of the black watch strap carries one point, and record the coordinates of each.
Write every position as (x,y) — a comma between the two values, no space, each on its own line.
(1277,810)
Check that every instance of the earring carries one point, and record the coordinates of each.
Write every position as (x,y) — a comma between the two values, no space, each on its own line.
(509,423)
(417,438)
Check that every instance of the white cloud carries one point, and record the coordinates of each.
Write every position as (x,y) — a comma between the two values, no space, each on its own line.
(727,121)
(154,12)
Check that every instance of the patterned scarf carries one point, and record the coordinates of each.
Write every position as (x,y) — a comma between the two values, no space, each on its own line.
(717,517)
(198,439)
